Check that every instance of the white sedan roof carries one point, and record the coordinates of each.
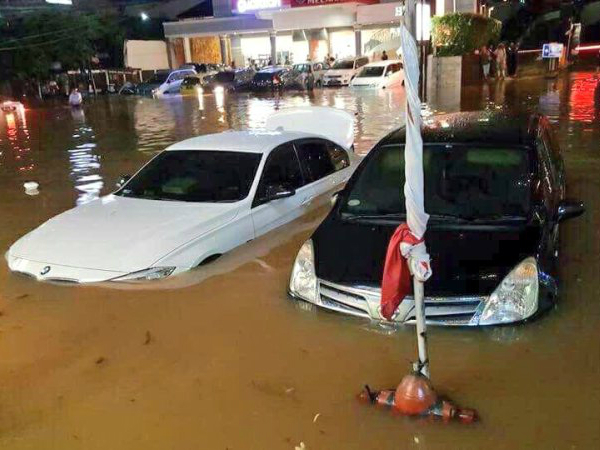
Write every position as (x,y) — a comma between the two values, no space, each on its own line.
(240,141)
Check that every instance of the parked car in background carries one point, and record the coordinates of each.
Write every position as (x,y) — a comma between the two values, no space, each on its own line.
(195,201)
(190,85)
(164,82)
(269,78)
(343,70)
(495,193)
(300,76)
(380,74)
(305,75)
(231,80)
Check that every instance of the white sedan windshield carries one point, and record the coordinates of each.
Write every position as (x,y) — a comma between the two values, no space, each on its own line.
(195,176)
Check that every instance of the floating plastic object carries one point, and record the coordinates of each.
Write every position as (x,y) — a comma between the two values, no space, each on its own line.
(31,188)
(416,397)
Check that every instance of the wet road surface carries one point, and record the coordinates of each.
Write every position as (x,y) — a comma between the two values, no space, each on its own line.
(219,358)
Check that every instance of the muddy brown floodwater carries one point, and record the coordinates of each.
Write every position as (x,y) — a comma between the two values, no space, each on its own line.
(219,358)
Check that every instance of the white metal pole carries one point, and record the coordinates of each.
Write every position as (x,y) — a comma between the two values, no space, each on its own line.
(413,123)
(423,364)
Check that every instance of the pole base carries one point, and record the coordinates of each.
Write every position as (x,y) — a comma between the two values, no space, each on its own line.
(416,397)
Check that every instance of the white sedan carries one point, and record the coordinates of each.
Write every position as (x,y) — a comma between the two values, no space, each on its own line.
(195,201)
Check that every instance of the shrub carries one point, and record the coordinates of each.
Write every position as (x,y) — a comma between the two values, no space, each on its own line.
(461,33)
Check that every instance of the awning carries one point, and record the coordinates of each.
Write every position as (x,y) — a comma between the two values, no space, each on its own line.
(221,25)
(330,16)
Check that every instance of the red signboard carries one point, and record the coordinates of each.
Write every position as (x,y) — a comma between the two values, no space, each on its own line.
(301,3)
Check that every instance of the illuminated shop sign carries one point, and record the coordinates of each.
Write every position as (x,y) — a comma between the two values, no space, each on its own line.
(257,5)
(298,3)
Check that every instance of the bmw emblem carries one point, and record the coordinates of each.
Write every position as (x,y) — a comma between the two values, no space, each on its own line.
(45,270)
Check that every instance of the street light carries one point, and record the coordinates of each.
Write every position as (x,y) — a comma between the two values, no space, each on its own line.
(144,16)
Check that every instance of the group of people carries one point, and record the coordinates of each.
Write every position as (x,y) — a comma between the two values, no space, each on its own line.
(500,62)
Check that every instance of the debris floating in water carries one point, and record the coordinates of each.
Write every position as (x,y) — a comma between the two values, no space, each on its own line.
(31,188)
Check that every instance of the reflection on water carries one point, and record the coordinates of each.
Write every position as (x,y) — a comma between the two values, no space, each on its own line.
(221,355)
(17,149)
(84,162)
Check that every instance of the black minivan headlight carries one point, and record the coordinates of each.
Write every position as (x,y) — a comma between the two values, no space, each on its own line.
(516,297)
(303,281)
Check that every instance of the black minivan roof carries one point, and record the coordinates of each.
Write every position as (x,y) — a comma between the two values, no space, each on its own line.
(490,127)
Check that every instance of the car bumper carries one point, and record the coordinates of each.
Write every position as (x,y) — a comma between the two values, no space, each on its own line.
(361,301)
(335,82)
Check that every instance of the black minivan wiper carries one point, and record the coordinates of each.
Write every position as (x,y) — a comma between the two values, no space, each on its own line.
(385,216)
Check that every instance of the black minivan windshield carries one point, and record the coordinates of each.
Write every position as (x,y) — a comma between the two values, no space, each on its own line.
(195,176)
(461,181)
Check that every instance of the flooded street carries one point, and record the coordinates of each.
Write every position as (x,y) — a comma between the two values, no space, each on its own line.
(220,358)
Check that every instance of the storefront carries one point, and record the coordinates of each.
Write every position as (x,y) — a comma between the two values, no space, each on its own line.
(288,31)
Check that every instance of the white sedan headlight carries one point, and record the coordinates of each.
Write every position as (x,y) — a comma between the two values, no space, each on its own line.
(154,273)
(303,282)
(516,298)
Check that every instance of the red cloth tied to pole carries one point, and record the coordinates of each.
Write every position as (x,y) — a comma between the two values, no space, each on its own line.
(396,283)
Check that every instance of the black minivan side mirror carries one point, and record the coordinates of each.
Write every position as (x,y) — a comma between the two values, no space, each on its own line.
(124,179)
(277,191)
(569,209)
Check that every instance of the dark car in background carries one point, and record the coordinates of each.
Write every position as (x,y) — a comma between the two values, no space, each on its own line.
(269,78)
(231,80)
(495,192)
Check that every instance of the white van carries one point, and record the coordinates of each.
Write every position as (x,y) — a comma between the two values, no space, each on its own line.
(380,74)
(343,70)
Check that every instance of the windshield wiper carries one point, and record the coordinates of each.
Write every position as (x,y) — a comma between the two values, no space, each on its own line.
(384,216)
(500,218)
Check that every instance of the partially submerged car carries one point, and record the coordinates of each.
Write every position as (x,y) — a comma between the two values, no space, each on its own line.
(343,71)
(231,80)
(269,78)
(305,75)
(164,82)
(380,74)
(495,192)
(190,85)
(195,201)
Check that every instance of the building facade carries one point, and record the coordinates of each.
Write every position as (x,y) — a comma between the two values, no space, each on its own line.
(288,31)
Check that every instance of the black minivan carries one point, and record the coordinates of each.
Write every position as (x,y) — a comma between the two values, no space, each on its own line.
(495,192)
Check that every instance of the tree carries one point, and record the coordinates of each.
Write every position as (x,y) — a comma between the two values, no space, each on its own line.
(32,45)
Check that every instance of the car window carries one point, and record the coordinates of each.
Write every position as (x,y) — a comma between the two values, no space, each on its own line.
(545,158)
(361,62)
(281,169)
(343,65)
(392,68)
(338,156)
(195,176)
(315,159)
(464,181)
(371,71)
(554,149)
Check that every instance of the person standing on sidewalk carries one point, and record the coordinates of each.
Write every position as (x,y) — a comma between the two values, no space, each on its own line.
(501,61)
(512,59)
(485,60)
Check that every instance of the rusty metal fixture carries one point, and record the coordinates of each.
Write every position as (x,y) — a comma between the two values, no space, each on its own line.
(414,395)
